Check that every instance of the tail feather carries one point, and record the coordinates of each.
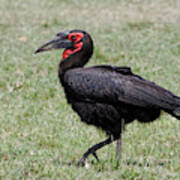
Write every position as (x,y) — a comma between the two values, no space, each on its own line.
(176,111)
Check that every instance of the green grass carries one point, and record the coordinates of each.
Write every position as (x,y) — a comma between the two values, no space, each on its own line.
(40,136)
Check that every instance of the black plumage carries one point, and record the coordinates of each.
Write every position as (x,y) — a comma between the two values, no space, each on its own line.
(107,97)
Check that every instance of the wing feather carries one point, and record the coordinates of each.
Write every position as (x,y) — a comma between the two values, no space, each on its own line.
(110,86)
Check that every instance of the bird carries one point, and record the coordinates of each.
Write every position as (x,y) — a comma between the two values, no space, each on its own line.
(105,96)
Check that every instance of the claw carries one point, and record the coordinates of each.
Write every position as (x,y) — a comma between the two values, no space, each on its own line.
(81,162)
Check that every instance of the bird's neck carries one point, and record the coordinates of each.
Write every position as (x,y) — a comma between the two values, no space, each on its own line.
(70,63)
(65,65)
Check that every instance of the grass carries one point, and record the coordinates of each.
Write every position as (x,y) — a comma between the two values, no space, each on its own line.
(40,136)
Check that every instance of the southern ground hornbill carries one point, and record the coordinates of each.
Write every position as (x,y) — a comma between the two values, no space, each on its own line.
(107,97)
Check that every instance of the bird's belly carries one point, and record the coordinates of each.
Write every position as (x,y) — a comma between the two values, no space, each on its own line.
(100,115)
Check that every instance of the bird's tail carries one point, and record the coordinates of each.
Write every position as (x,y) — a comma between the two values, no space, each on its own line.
(176,110)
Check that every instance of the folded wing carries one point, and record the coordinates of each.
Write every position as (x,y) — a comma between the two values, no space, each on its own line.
(118,85)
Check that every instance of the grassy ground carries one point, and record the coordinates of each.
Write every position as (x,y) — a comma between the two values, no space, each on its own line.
(40,136)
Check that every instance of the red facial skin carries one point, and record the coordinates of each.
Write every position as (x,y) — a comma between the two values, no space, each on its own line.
(75,37)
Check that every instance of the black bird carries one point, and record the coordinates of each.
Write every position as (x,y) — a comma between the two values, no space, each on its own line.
(107,97)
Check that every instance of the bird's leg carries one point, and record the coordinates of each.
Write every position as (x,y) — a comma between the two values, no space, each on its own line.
(118,148)
(93,150)
(95,155)
(119,141)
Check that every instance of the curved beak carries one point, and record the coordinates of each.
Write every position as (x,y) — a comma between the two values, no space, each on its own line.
(57,43)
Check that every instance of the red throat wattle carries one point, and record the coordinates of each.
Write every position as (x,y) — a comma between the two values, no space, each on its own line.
(68,52)
(75,37)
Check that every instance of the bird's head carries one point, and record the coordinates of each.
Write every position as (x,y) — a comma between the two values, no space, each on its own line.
(78,46)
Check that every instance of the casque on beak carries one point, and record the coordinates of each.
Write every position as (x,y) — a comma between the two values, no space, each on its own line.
(60,41)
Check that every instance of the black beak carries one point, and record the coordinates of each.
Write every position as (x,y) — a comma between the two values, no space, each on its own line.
(57,43)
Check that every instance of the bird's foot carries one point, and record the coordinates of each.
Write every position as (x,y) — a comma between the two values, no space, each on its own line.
(93,150)
(81,162)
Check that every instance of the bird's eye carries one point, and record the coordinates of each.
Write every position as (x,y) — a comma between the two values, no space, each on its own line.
(73,38)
